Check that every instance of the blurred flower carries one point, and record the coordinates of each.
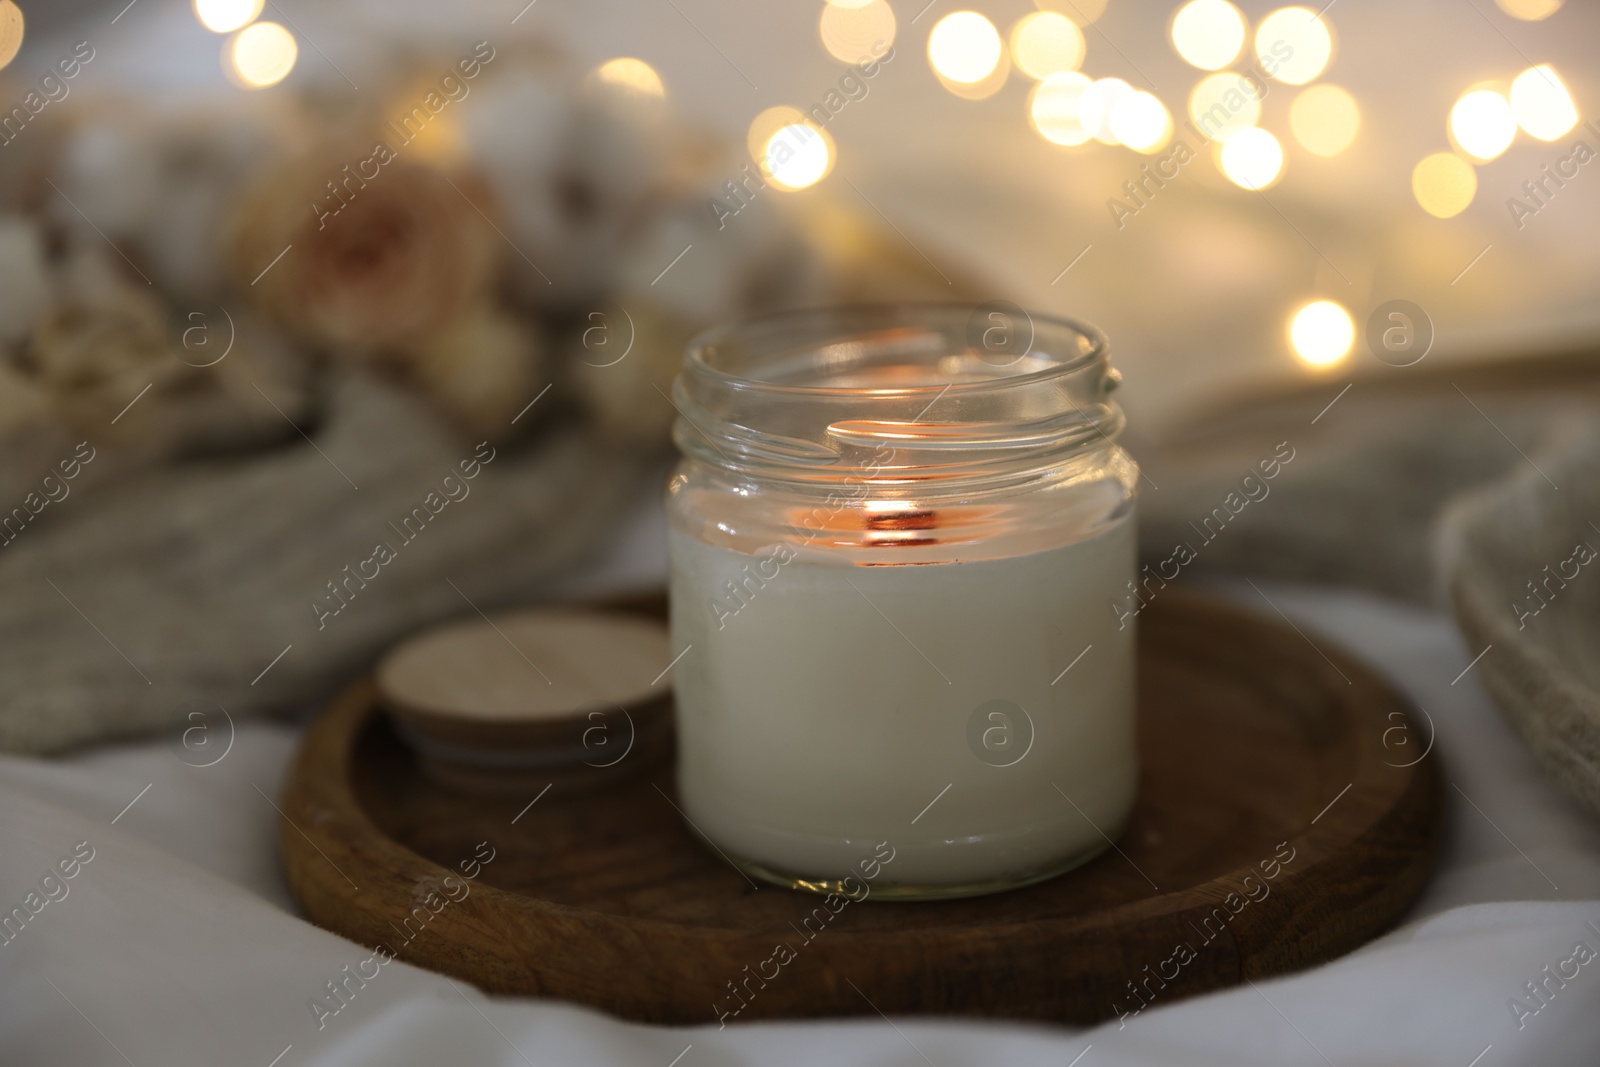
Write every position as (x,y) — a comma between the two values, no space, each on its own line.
(102,345)
(444,258)
(576,165)
(395,264)
(161,185)
(373,265)
(99,344)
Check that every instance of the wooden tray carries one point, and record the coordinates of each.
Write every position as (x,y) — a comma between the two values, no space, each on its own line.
(1255,748)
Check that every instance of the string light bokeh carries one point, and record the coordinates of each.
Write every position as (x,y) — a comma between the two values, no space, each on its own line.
(1322,333)
(791,150)
(1444,184)
(1294,45)
(1251,158)
(1071,107)
(1529,10)
(1325,119)
(1541,103)
(225,16)
(261,55)
(632,75)
(1481,124)
(1140,121)
(852,29)
(1053,108)
(1045,43)
(11,31)
(1208,34)
(258,55)
(966,50)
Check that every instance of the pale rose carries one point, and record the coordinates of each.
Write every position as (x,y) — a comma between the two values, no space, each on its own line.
(399,254)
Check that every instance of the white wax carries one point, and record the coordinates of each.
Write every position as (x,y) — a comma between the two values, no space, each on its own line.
(826,713)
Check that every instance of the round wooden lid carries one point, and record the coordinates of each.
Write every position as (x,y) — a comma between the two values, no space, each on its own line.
(530,689)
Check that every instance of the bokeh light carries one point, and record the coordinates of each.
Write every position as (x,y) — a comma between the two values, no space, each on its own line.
(1302,41)
(262,54)
(1529,10)
(1054,108)
(225,16)
(765,125)
(1222,104)
(856,31)
(1444,184)
(1251,158)
(964,47)
(1324,119)
(798,155)
(1097,104)
(1541,103)
(788,148)
(1140,121)
(1208,33)
(1482,124)
(632,75)
(1046,43)
(10,31)
(1321,333)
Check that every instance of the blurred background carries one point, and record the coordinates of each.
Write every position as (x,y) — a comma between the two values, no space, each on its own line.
(1390,146)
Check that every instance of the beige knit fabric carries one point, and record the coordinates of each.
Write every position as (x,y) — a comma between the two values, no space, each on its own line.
(1455,488)
(1522,558)
(173,587)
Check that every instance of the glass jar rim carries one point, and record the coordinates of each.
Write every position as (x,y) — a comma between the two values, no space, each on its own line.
(822,393)
(695,353)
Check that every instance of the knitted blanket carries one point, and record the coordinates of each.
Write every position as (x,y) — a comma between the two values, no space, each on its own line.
(1474,489)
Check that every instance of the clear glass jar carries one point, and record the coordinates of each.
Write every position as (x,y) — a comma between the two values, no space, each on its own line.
(899,539)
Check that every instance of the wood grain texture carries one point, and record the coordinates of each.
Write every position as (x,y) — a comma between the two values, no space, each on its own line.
(1248,736)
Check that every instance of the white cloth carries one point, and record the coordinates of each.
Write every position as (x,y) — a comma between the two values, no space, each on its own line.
(177,943)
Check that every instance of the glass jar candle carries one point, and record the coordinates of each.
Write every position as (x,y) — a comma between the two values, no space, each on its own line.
(899,536)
